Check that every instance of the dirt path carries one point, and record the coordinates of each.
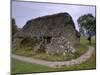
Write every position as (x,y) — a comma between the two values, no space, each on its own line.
(55,64)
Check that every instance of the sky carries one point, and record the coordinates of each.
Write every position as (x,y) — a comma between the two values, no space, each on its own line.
(24,11)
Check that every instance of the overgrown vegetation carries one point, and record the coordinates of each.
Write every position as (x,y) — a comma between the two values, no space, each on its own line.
(22,67)
(27,50)
(14,27)
(68,56)
(28,42)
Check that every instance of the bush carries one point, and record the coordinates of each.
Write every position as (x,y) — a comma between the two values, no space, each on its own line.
(28,42)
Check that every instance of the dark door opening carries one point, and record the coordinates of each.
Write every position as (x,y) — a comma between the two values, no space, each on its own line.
(47,39)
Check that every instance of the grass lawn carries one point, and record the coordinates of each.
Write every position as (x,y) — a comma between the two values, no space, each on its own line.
(22,67)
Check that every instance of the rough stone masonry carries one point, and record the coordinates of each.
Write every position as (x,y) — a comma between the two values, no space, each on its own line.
(56,34)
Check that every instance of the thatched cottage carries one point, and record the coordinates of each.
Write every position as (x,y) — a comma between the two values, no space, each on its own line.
(55,33)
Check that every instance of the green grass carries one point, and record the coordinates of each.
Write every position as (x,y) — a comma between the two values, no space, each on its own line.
(22,67)
(84,41)
(24,51)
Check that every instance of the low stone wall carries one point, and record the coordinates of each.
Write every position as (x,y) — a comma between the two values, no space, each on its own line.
(59,45)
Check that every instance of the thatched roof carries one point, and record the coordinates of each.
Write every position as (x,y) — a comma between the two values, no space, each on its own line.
(50,25)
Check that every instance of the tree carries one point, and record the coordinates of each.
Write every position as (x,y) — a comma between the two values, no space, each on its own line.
(87,23)
(14,27)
